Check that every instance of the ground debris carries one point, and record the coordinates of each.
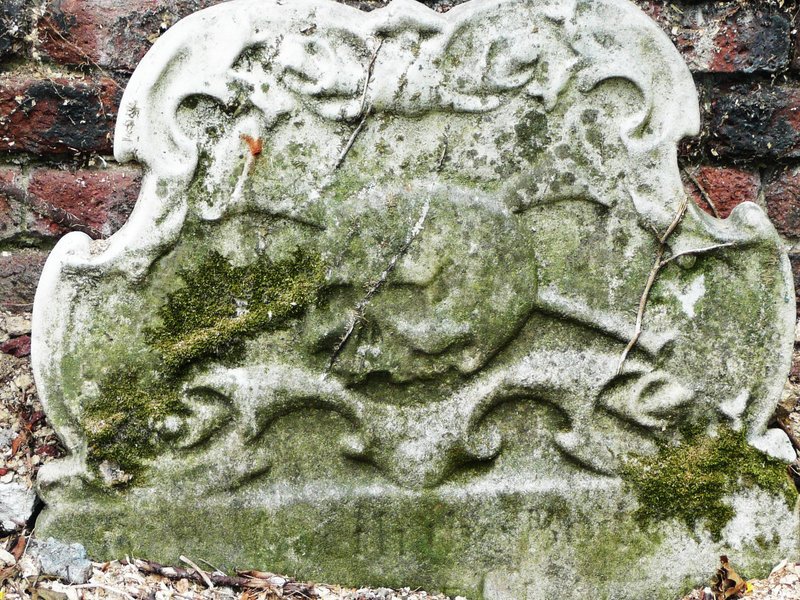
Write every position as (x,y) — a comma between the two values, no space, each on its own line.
(137,579)
(783,583)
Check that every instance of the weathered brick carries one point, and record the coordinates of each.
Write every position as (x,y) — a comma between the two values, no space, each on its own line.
(19,273)
(755,122)
(57,115)
(726,187)
(102,199)
(727,37)
(794,259)
(14,25)
(111,34)
(782,194)
(19,226)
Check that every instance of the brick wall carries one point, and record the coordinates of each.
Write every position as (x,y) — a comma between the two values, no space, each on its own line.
(64,64)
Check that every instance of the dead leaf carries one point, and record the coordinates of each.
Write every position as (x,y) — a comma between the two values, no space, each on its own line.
(45,594)
(18,548)
(727,584)
(17,443)
(8,573)
(255,144)
(182,585)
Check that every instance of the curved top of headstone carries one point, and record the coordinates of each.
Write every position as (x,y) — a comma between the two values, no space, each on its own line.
(456,243)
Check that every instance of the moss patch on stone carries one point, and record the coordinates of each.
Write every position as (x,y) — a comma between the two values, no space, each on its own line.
(220,304)
(690,481)
(119,424)
(218,307)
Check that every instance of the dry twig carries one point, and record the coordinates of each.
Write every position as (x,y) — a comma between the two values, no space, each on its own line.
(702,191)
(658,265)
(358,313)
(200,572)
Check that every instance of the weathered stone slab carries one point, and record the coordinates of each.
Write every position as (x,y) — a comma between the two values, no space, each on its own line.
(374,318)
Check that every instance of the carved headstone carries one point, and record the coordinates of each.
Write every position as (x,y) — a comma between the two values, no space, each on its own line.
(412,298)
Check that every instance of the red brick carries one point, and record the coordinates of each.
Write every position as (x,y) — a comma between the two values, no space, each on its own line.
(726,187)
(19,274)
(794,259)
(727,37)
(108,33)
(18,224)
(57,116)
(754,122)
(15,25)
(102,199)
(782,193)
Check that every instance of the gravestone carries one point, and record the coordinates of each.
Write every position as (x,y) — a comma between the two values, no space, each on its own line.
(418,299)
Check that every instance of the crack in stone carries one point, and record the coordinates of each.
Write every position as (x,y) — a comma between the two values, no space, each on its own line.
(364,111)
(358,312)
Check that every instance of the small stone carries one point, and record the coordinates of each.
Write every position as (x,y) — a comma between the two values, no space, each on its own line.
(7,478)
(6,437)
(17,325)
(29,566)
(65,561)
(16,504)
(6,558)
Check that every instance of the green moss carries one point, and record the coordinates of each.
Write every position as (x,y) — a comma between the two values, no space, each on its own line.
(218,307)
(221,304)
(690,481)
(119,424)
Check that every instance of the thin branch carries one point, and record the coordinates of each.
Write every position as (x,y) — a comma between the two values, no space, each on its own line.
(666,261)
(363,110)
(284,587)
(352,140)
(177,573)
(368,78)
(54,213)
(440,164)
(702,191)
(637,332)
(684,203)
(200,571)
(659,264)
